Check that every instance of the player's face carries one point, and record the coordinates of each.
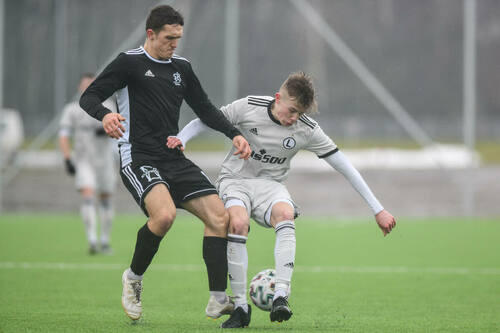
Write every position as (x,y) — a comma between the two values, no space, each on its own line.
(287,111)
(164,43)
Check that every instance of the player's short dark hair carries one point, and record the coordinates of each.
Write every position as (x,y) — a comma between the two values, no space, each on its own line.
(161,15)
(300,88)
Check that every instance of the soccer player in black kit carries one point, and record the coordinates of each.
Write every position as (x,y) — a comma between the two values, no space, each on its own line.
(151,82)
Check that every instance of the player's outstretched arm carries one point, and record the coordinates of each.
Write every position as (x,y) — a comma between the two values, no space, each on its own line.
(341,163)
(112,125)
(239,142)
(385,221)
(193,128)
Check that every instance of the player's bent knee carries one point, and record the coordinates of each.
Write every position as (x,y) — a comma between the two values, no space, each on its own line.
(283,216)
(223,220)
(219,221)
(238,226)
(162,221)
(282,211)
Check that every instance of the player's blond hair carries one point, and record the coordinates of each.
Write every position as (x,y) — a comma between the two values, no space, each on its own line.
(300,89)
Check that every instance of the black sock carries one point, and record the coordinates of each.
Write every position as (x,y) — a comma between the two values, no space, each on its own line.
(215,256)
(145,248)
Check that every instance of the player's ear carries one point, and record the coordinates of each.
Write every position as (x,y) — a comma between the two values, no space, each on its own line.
(150,33)
(277,96)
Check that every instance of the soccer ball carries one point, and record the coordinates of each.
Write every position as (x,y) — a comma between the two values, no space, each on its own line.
(262,289)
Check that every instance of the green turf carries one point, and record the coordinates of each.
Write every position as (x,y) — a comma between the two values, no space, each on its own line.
(427,276)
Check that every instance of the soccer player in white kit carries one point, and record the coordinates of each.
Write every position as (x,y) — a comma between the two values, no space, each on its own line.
(276,128)
(92,164)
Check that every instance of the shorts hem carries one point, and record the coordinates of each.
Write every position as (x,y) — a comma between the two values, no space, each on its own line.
(200,193)
(146,191)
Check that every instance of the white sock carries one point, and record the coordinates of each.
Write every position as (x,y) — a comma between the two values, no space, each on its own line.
(106,217)
(87,211)
(220,296)
(284,256)
(132,276)
(237,263)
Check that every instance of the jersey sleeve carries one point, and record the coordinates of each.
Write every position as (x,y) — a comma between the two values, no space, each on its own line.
(111,79)
(321,144)
(198,100)
(342,164)
(234,110)
(192,129)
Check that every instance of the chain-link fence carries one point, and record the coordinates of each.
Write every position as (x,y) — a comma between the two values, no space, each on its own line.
(413,48)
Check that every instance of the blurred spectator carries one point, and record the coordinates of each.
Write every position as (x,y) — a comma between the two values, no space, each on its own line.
(11,135)
(92,164)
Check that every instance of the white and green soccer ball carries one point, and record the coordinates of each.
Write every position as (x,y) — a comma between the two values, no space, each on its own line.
(262,289)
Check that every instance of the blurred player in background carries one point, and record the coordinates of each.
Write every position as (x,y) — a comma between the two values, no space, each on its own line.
(92,164)
(151,83)
(276,128)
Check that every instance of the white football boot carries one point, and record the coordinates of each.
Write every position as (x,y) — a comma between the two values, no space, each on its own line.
(131,297)
(215,309)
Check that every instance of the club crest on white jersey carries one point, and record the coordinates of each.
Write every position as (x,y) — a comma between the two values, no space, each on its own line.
(289,143)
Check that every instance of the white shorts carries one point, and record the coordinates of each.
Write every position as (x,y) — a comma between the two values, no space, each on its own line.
(258,195)
(99,174)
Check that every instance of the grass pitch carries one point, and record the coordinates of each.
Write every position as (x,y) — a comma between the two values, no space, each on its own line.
(426,276)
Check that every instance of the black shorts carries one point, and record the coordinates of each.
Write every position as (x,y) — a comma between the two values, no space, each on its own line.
(184,179)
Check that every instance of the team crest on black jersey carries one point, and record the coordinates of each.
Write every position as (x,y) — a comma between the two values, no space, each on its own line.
(177,79)
(150,173)
(289,143)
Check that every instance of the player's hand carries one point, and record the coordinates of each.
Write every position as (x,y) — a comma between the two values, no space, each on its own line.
(70,167)
(242,147)
(112,125)
(385,221)
(175,142)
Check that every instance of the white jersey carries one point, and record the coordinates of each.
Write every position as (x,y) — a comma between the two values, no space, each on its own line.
(273,145)
(87,145)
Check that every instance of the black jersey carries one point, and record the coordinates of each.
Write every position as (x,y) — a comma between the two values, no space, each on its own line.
(149,95)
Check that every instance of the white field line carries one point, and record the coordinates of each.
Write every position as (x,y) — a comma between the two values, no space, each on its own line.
(298,269)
